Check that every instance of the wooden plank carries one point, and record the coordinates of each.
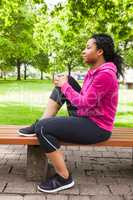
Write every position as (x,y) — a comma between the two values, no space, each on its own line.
(9,138)
(10,131)
(21,126)
(34,138)
(121,136)
(109,142)
(15,127)
(17,135)
(19,141)
(116,133)
(116,130)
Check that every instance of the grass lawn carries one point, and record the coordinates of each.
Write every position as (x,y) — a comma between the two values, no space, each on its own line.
(21,102)
(21,114)
(28,85)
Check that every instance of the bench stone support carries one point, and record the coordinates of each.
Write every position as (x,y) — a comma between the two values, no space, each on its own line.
(132,155)
(37,163)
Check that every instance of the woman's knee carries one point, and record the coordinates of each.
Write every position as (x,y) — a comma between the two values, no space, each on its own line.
(48,142)
(40,124)
(58,96)
(43,124)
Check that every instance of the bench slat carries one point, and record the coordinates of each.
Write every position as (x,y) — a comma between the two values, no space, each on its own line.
(13,130)
(8,135)
(19,126)
(121,136)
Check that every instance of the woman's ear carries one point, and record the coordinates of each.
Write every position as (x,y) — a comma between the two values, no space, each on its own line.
(100,52)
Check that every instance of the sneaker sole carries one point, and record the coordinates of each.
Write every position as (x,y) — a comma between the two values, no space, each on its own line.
(58,189)
(27,135)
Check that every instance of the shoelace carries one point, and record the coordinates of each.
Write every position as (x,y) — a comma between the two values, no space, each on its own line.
(56,176)
(50,178)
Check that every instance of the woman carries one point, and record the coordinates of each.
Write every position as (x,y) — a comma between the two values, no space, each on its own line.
(91,109)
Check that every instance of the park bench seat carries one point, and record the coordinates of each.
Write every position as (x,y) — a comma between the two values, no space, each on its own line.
(37,162)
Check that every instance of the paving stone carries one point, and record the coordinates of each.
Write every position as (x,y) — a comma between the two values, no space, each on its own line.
(112,173)
(106,197)
(75,197)
(4,169)
(93,172)
(120,189)
(128,197)
(18,170)
(131,187)
(3,161)
(57,197)
(35,197)
(93,189)
(10,197)
(10,178)
(126,181)
(20,187)
(85,180)
(106,180)
(2,185)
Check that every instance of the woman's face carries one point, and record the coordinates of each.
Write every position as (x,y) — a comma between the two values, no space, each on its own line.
(91,54)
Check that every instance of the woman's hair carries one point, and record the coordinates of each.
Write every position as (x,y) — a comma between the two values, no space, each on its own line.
(105,42)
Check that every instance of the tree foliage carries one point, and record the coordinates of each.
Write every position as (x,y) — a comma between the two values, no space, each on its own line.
(52,40)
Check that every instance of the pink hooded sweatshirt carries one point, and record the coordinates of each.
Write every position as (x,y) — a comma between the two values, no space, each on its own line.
(98,98)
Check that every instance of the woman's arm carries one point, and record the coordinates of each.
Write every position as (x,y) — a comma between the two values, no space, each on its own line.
(98,88)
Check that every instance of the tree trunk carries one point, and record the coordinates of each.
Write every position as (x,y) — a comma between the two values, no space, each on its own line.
(25,70)
(69,69)
(69,72)
(53,74)
(1,74)
(4,75)
(18,70)
(41,75)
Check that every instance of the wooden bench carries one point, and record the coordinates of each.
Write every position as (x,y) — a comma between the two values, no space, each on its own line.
(37,162)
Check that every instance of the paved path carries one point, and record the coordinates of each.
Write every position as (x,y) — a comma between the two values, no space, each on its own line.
(100,174)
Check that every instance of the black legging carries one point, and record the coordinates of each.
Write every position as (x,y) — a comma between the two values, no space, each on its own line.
(71,129)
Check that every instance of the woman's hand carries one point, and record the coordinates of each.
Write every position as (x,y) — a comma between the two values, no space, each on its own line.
(60,80)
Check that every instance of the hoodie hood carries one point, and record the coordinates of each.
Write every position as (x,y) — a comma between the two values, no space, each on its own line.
(105,66)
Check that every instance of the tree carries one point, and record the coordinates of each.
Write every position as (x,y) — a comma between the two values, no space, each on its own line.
(41,62)
(128,56)
(16,33)
(64,45)
(31,33)
(5,68)
(113,17)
